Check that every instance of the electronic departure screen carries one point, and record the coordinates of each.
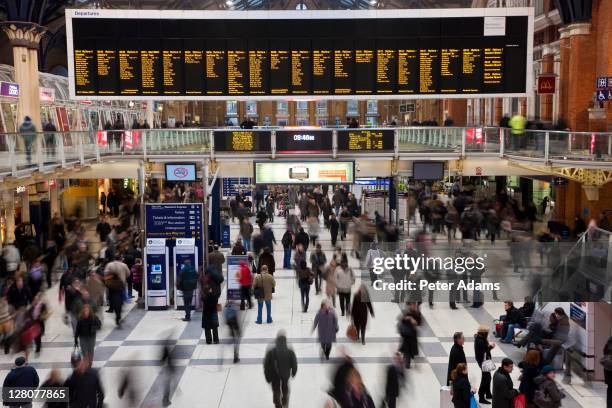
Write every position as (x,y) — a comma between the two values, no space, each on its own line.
(242,141)
(303,141)
(458,52)
(365,140)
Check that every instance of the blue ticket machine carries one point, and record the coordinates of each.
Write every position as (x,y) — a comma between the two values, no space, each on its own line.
(156,269)
(184,250)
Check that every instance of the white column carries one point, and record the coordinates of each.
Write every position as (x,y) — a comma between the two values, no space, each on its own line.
(8,202)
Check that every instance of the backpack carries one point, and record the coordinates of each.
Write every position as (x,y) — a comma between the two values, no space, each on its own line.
(36,273)
(188,280)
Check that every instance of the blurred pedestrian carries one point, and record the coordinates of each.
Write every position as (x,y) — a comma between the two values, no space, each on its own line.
(28,132)
(359,311)
(326,322)
(86,329)
(21,376)
(280,364)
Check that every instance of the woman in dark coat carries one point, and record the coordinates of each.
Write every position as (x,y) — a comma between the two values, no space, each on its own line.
(530,369)
(462,390)
(211,290)
(407,328)
(266,258)
(482,352)
(359,310)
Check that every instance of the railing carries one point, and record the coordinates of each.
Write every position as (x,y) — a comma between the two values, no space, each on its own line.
(21,153)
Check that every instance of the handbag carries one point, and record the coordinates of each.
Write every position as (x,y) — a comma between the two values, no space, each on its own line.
(473,403)
(519,401)
(351,332)
(488,366)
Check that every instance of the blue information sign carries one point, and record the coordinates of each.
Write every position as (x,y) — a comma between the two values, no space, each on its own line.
(172,221)
(230,186)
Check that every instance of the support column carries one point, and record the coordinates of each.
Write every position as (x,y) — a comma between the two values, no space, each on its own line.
(8,202)
(24,38)
(25,206)
(546,100)
(457,111)
(54,199)
(498,111)
(581,71)
(150,113)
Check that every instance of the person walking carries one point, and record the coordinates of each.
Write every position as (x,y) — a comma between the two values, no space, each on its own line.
(334,226)
(21,375)
(86,329)
(211,291)
(305,280)
(548,394)
(330,282)
(263,287)
(530,369)
(371,256)
(246,232)
(482,353)
(359,311)
(462,390)
(232,319)
(116,288)
(345,279)
(187,282)
(267,259)
(103,202)
(84,385)
(407,328)
(456,356)
(280,364)
(28,132)
(395,381)
(327,323)
(216,260)
(246,281)
(318,261)
(503,388)
(287,242)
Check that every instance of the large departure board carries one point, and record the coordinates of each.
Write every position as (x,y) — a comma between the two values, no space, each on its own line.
(242,141)
(340,54)
(352,140)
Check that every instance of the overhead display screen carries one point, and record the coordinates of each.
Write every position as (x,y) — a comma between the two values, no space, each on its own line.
(304,172)
(304,141)
(343,53)
(242,141)
(365,140)
(427,170)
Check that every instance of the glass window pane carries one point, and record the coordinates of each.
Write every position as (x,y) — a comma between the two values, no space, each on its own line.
(352,108)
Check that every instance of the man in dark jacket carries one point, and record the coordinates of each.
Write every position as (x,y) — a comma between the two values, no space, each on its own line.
(84,385)
(20,376)
(503,388)
(302,238)
(268,237)
(333,229)
(187,283)
(28,131)
(287,242)
(511,320)
(280,364)
(456,356)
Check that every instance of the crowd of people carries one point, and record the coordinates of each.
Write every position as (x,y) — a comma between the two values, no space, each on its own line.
(88,282)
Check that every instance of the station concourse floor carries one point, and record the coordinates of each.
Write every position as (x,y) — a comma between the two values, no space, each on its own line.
(207,377)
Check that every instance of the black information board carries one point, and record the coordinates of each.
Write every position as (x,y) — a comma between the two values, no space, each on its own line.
(242,141)
(286,56)
(304,141)
(352,140)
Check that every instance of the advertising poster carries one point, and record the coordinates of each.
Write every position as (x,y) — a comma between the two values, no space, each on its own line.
(233,275)
(329,172)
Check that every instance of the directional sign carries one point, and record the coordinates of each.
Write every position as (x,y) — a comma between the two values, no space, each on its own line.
(609,95)
(601,96)
(604,82)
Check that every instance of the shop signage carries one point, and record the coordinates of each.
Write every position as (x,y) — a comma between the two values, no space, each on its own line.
(47,95)
(9,89)
(546,84)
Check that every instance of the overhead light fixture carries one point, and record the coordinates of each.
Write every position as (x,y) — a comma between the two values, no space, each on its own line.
(229,3)
(373,2)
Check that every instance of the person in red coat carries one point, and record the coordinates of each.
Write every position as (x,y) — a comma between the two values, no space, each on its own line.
(246,281)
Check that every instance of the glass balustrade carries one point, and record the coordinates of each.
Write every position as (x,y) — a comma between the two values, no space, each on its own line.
(39,151)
